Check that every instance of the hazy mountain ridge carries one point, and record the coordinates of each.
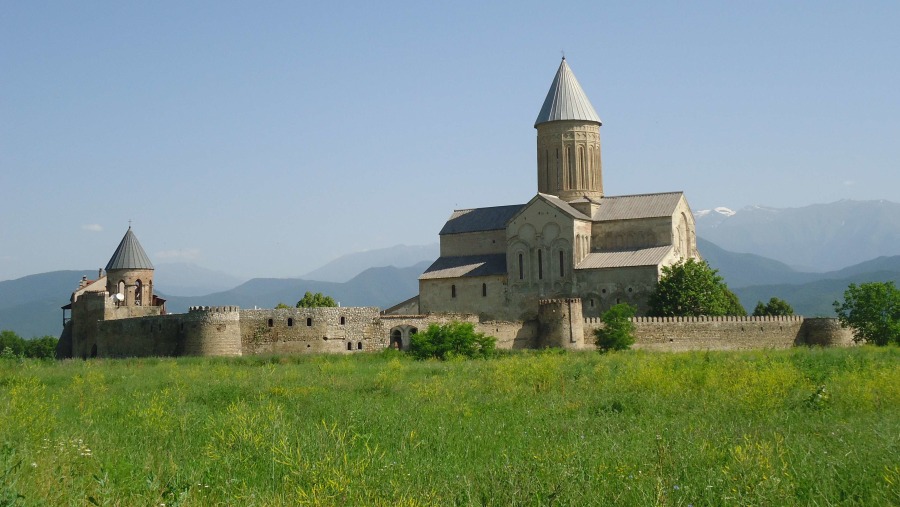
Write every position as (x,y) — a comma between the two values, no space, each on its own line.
(381,287)
(819,237)
(185,279)
(348,266)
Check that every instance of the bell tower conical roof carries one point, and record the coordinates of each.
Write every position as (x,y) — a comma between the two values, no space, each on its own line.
(566,100)
(129,254)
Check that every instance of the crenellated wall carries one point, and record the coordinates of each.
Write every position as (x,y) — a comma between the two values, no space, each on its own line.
(230,331)
(729,333)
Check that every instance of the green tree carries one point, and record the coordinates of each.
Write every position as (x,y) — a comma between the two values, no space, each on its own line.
(282,306)
(16,346)
(12,341)
(691,288)
(316,300)
(872,310)
(618,330)
(41,348)
(449,340)
(775,307)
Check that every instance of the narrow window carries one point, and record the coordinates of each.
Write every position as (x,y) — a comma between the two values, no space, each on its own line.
(592,302)
(573,171)
(521,268)
(290,322)
(562,264)
(349,345)
(271,323)
(343,320)
(309,321)
(453,291)
(540,265)
(483,290)
(358,345)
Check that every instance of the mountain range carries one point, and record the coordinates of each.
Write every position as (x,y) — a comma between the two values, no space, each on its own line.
(820,237)
(30,305)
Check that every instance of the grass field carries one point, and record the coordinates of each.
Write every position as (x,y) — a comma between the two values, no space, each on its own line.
(794,427)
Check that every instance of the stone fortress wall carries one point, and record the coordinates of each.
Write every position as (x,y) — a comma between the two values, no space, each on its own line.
(230,331)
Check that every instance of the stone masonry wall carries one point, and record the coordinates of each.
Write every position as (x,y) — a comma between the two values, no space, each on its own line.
(306,330)
(728,333)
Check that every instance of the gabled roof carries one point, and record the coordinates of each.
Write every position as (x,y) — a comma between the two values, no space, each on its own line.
(480,219)
(627,207)
(625,258)
(466,265)
(129,255)
(564,206)
(566,100)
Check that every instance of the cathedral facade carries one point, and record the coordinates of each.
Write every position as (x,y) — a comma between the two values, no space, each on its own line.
(569,241)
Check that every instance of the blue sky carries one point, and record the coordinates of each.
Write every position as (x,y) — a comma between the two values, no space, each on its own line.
(267,138)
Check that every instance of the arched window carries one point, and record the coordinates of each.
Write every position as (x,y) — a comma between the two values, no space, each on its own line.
(290,322)
(138,293)
(483,290)
(521,268)
(308,321)
(358,345)
(343,320)
(453,291)
(271,323)
(349,345)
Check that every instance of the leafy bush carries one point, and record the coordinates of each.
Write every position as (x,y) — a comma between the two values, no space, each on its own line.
(618,331)
(456,339)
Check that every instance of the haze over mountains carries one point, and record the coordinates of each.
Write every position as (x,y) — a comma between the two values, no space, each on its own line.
(383,277)
(820,237)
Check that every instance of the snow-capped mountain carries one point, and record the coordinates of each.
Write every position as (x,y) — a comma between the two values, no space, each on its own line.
(819,237)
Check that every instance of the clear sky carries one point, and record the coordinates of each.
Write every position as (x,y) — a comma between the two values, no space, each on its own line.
(267,138)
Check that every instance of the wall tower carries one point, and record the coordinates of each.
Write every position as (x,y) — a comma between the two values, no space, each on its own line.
(568,141)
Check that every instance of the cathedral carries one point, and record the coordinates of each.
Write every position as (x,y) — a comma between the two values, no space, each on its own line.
(531,275)
(569,241)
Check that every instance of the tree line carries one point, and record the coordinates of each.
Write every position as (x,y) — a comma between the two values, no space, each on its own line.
(12,345)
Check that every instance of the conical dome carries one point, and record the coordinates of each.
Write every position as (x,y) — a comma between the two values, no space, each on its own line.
(566,100)
(129,255)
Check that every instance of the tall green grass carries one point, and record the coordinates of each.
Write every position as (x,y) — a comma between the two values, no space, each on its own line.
(795,427)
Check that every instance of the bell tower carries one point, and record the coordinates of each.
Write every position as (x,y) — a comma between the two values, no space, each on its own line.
(129,272)
(568,141)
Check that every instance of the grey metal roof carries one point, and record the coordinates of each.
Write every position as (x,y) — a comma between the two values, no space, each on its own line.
(566,100)
(129,255)
(480,219)
(466,265)
(625,258)
(627,207)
